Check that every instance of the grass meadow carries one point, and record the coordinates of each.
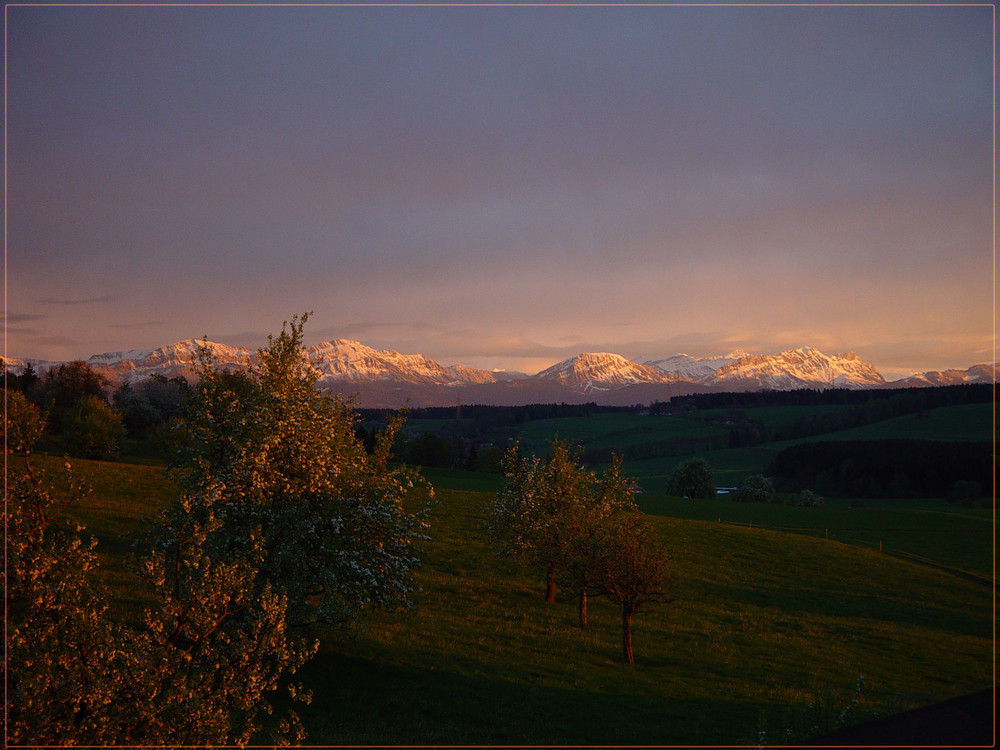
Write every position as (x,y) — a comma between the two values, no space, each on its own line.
(967,422)
(770,627)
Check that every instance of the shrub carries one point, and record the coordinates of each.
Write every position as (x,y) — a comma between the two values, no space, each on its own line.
(755,489)
(808,499)
(92,429)
(692,478)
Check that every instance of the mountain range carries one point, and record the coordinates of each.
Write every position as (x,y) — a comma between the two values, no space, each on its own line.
(388,379)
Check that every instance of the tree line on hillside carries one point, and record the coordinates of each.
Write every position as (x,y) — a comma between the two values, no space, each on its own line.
(886,468)
(458,438)
(744,430)
(85,420)
(492,417)
(904,400)
(861,408)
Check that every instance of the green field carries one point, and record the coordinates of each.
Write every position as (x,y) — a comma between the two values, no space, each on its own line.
(615,431)
(767,621)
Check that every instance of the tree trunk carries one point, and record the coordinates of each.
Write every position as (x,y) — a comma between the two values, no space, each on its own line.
(583,607)
(550,585)
(627,634)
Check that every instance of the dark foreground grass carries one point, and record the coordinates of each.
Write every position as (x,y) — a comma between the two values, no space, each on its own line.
(119,498)
(764,625)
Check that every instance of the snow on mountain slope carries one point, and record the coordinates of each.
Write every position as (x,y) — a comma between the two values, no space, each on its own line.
(975,374)
(691,368)
(351,360)
(798,368)
(184,354)
(17,365)
(351,366)
(602,371)
(464,374)
(169,361)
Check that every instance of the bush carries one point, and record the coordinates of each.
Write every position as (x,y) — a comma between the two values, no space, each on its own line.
(808,499)
(692,478)
(431,450)
(755,489)
(92,429)
(489,459)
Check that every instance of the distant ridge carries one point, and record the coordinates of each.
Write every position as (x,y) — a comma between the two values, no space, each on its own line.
(389,379)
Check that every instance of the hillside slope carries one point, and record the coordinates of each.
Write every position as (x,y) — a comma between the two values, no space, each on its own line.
(762,624)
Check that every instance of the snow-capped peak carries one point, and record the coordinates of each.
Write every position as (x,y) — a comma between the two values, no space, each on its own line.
(803,367)
(601,371)
(694,368)
(351,360)
(345,364)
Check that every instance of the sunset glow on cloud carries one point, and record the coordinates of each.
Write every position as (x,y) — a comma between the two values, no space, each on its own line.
(504,186)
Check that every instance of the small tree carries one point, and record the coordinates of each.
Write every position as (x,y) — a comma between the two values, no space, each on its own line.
(552,514)
(601,508)
(967,493)
(556,515)
(808,499)
(692,478)
(488,459)
(536,513)
(430,449)
(92,429)
(755,489)
(629,569)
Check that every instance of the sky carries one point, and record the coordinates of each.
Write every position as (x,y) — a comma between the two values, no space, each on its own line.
(503,187)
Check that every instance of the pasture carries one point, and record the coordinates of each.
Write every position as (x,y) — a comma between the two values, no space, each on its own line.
(653,445)
(771,626)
